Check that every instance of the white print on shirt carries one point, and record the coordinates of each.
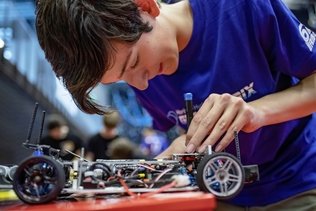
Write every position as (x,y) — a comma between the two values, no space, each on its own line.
(179,116)
(246,92)
(308,36)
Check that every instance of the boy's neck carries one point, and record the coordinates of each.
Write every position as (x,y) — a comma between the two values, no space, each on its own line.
(179,15)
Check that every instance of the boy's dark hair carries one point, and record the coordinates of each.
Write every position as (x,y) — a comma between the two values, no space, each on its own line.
(75,36)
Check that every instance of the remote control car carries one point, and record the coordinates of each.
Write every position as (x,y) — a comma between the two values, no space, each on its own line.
(44,176)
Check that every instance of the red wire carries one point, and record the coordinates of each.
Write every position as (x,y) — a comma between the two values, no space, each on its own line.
(126,188)
(161,189)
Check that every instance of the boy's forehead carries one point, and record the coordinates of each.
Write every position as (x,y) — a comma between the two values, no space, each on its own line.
(121,49)
(120,45)
(120,54)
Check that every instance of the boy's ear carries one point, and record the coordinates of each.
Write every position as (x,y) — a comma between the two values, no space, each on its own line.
(150,6)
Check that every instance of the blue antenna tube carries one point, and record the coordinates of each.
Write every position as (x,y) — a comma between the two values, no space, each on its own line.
(188,107)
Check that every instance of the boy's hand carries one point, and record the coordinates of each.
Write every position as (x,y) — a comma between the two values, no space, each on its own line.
(218,119)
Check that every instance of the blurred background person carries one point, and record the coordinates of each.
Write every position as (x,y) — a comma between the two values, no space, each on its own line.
(153,142)
(97,145)
(59,137)
(123,148)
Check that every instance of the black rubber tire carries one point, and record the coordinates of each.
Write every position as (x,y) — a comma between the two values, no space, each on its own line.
(225,183)
(38,180)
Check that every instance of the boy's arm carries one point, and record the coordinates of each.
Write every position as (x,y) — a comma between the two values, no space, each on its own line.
(292,103)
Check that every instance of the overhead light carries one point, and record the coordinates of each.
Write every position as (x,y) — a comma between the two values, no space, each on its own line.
(1,43)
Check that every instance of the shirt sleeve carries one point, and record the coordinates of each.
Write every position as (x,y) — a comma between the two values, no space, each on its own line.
(288,44)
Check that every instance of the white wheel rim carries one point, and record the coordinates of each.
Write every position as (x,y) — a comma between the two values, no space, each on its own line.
(222,176)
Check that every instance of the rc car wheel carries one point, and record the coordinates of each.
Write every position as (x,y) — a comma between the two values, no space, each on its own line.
(220,174)
(38,180)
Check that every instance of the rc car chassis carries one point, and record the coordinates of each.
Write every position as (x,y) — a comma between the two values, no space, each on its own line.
(44,176)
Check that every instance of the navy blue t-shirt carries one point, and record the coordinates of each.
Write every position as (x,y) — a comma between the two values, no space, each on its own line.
(248,48)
